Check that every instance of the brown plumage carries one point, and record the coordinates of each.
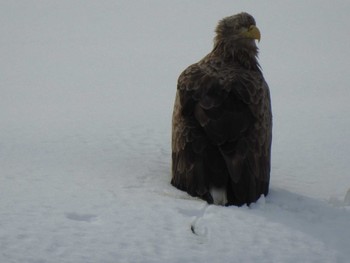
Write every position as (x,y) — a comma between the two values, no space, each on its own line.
(222,121)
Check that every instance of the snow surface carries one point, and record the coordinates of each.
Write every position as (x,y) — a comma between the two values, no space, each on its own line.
(87,90)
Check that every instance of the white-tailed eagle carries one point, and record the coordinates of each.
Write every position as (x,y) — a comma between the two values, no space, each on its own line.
(222,120)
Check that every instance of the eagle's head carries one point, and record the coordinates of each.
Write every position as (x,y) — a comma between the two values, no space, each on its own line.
(236,35)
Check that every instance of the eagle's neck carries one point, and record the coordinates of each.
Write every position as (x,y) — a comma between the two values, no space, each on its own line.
(246,56)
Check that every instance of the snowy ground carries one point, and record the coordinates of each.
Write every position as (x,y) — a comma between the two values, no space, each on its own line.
(87,90)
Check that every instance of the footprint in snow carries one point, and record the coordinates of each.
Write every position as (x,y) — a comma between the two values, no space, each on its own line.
(81,217)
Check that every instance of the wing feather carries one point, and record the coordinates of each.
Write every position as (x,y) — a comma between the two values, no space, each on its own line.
(222,134)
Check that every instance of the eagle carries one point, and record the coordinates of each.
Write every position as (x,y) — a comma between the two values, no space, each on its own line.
(222,120)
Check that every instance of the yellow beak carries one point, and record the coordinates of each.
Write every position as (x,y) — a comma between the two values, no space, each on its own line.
(253,32)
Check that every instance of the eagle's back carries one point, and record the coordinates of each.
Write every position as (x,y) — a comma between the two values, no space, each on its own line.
(221,131)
